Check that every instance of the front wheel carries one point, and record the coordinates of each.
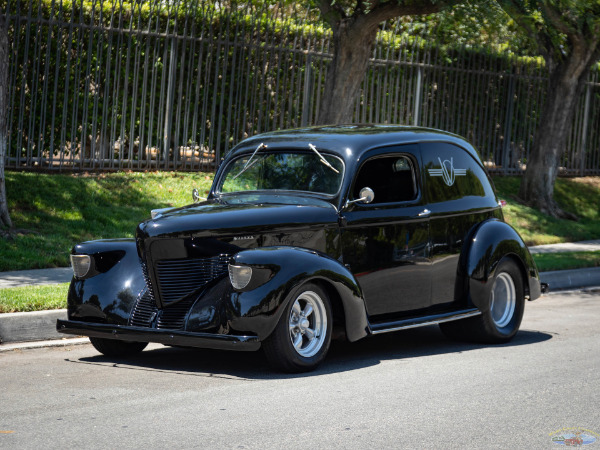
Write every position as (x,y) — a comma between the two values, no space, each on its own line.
(114,347)
(501,318)
(302,337)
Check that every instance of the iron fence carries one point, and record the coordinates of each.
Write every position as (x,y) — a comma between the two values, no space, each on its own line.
(174,84)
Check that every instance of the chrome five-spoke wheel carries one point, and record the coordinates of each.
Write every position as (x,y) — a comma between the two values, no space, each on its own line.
(302,336)
(307,324)
(503,300)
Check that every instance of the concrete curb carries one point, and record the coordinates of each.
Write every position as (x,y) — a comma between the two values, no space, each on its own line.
(44,344)
(561,280)
(41,326)
(30,326)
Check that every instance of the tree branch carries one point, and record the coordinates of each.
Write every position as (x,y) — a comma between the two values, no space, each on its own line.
(517,11)
(383,11)
(558,20)
(332,13)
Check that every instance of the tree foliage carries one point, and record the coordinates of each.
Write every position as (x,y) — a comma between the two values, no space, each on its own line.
(559,29)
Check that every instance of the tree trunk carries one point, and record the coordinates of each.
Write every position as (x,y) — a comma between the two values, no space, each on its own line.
(354,38)
(4,216)
(353,46)
(537,185)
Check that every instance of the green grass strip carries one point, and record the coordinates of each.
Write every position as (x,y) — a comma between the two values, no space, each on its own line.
(33,298)
(566,260)
(580,196)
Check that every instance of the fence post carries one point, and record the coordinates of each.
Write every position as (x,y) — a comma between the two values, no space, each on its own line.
(417,108)
(307,91)
(584,129)
(508,124)
(169,106)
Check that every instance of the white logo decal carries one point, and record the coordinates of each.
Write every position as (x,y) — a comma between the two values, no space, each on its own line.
(447,172)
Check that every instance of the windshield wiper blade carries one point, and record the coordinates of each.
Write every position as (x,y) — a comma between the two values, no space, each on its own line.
(247,165)
(322,159)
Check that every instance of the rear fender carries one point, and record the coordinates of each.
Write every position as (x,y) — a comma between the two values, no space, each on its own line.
(488,244)
(286,269)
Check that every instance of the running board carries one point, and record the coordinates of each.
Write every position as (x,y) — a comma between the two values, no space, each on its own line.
(388,327)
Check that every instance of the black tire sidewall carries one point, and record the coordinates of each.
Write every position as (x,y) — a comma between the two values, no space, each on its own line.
(115,347)
(505,333)
(280,340)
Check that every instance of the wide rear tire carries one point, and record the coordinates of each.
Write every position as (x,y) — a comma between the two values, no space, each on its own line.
(114,347)
(302,337)
(500,320)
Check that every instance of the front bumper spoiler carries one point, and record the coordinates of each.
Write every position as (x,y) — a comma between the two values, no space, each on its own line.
(168,337)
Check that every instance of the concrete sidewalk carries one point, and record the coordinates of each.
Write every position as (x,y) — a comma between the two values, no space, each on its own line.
(583,246)
(35,277)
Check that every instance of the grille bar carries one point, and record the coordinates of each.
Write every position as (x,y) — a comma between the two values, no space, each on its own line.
(178,278)
(144,311)
(173,316)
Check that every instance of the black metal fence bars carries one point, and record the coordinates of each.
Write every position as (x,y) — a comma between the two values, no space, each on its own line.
(155,84)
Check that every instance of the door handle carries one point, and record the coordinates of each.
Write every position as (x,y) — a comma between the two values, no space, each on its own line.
(424,213)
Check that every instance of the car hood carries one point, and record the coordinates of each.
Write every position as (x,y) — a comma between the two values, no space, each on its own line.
(217,218)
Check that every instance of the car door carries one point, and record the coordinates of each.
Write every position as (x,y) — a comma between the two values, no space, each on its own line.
(385,243)
(459,197)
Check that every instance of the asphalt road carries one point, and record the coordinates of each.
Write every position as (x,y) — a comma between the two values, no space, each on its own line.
(411,389)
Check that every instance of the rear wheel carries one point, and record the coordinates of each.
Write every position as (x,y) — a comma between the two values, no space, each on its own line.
(113,347)
(500,320)
(302,337)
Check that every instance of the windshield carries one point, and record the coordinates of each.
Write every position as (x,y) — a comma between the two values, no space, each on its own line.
(284,171)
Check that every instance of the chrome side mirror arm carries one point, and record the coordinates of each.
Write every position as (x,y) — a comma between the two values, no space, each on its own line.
(366,196)
(195,195)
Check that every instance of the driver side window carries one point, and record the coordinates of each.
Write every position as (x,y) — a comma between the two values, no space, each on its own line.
(392,179)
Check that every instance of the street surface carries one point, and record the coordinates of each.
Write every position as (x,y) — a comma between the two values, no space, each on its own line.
(410,389)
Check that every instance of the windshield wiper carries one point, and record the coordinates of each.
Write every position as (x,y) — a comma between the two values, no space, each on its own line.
(247,165)
(322,159)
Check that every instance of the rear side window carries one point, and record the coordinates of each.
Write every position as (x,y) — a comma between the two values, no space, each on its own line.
(392,178)
(451,173)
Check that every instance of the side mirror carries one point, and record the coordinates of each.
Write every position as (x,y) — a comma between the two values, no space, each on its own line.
(366,196)
(195,195)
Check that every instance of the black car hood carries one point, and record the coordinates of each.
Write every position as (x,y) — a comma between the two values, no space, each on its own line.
(217,218)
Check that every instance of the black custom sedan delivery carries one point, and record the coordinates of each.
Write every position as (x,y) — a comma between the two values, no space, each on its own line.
(345,230)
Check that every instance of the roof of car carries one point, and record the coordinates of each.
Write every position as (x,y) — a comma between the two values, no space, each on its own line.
(351,141)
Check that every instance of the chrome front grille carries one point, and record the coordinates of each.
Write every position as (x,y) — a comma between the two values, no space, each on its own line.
(173,316)
(144,311)
(150,292)
(180,277)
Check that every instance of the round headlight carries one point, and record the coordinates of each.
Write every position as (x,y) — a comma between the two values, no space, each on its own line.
(81,265)
(240,276)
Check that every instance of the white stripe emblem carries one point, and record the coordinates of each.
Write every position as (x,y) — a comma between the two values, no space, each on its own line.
(447,171)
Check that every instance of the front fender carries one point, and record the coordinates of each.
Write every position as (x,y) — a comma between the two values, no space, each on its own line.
(110,294)
(259,309)
(491,241)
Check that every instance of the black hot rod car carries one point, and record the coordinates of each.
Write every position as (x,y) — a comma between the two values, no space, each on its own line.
(348,229)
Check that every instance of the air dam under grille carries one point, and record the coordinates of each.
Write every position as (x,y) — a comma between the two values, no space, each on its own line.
(179,277)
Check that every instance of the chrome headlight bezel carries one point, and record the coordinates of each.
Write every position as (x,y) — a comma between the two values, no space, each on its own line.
(81,265)
(239,276)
